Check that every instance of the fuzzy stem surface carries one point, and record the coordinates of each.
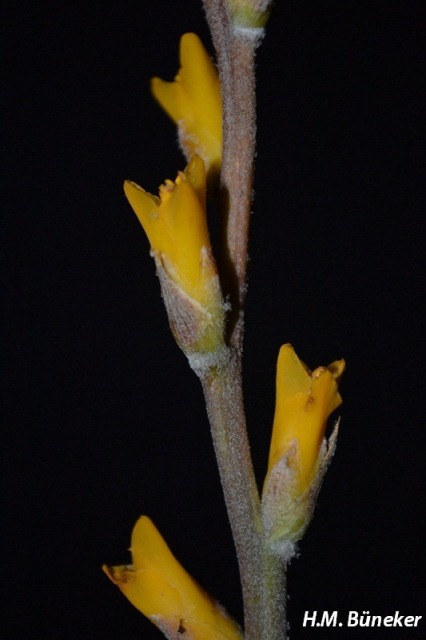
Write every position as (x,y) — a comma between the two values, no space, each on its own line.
(262,573)
(236,59)
(274,596)
(222,390)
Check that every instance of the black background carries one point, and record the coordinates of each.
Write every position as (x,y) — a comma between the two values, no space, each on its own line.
(104,419)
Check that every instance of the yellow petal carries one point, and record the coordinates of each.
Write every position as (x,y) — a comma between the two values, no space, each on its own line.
(195,173)
(176,225)
(304,402)
(200,83)
(144,205)
(162,590)
(193,101)
(183,233)
(169,96)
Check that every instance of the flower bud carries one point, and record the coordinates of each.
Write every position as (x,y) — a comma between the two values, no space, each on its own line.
(299,453)
(193,100)
(249,14)
(158,586)
(176,226)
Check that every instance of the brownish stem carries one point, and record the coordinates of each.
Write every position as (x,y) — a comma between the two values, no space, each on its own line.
(222,390)
(237,177)
(262,573)
(236,56)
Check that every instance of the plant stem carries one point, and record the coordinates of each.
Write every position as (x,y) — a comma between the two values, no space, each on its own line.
(274,596)
(262,573)
(222,390)
(236,56)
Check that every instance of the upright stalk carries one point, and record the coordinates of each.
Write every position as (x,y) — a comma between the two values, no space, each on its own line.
(222,389)
(262,572)
(273,609)
(236,55)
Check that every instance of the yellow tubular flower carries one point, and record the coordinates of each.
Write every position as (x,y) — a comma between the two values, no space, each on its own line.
(194,102)
(176,226)
(299,453)
(158,586)
(304,402)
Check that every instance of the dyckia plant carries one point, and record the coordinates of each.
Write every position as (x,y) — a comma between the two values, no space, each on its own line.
(204,297)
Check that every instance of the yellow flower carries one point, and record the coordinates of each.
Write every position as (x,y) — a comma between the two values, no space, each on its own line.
(158,586)
(176,226)
(304,401)
(299,454)
(194,102)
